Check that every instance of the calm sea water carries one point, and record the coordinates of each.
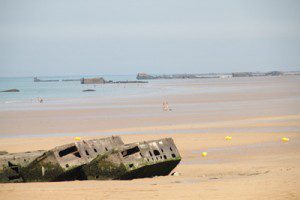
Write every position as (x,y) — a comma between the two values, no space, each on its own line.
(60,90)
(64,92)
(72,90)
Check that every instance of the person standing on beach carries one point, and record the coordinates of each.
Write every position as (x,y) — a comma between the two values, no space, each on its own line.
(166,106)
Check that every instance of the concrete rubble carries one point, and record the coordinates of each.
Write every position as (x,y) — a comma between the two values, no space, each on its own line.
(98,159)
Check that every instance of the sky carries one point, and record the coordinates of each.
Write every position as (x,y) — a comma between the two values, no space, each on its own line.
(117,37)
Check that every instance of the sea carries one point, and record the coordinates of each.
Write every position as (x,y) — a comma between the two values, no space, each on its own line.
(65,91)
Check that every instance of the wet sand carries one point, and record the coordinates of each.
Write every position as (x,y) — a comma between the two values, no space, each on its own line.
(255,164)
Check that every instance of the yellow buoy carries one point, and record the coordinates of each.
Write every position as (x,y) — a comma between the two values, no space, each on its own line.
(203,154)
(77,138)
(284,139)
(228,138)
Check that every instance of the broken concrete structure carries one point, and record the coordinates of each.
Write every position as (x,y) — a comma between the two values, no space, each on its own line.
(64,162)
(106,158)
(11,164)
(136,160)
(60,163)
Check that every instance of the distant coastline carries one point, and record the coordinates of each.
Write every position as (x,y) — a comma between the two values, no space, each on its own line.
(145,76)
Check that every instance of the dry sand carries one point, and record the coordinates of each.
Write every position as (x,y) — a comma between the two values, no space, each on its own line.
(255,164)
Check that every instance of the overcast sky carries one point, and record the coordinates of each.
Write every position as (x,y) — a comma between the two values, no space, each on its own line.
(80,37)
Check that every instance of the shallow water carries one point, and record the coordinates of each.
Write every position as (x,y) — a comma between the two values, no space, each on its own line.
(70,93)
(59,90)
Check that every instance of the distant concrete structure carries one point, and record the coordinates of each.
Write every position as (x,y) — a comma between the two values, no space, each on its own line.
(144,76)
(274,73)
(98,80)
(242,74)
(11,90)
(89,90)
(251,74)
(101,80)
(226,76)
(36,79)
(71,79)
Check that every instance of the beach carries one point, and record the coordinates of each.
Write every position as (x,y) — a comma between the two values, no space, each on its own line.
(257,112)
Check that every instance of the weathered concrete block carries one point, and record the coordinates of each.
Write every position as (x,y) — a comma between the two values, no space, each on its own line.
(106,158)
(136,160)
(59,164)
(11,164)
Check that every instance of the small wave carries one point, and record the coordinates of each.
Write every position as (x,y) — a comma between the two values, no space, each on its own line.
(17,101)
(11,101)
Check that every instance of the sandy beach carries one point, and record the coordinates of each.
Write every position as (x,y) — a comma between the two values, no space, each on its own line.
(255,164)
